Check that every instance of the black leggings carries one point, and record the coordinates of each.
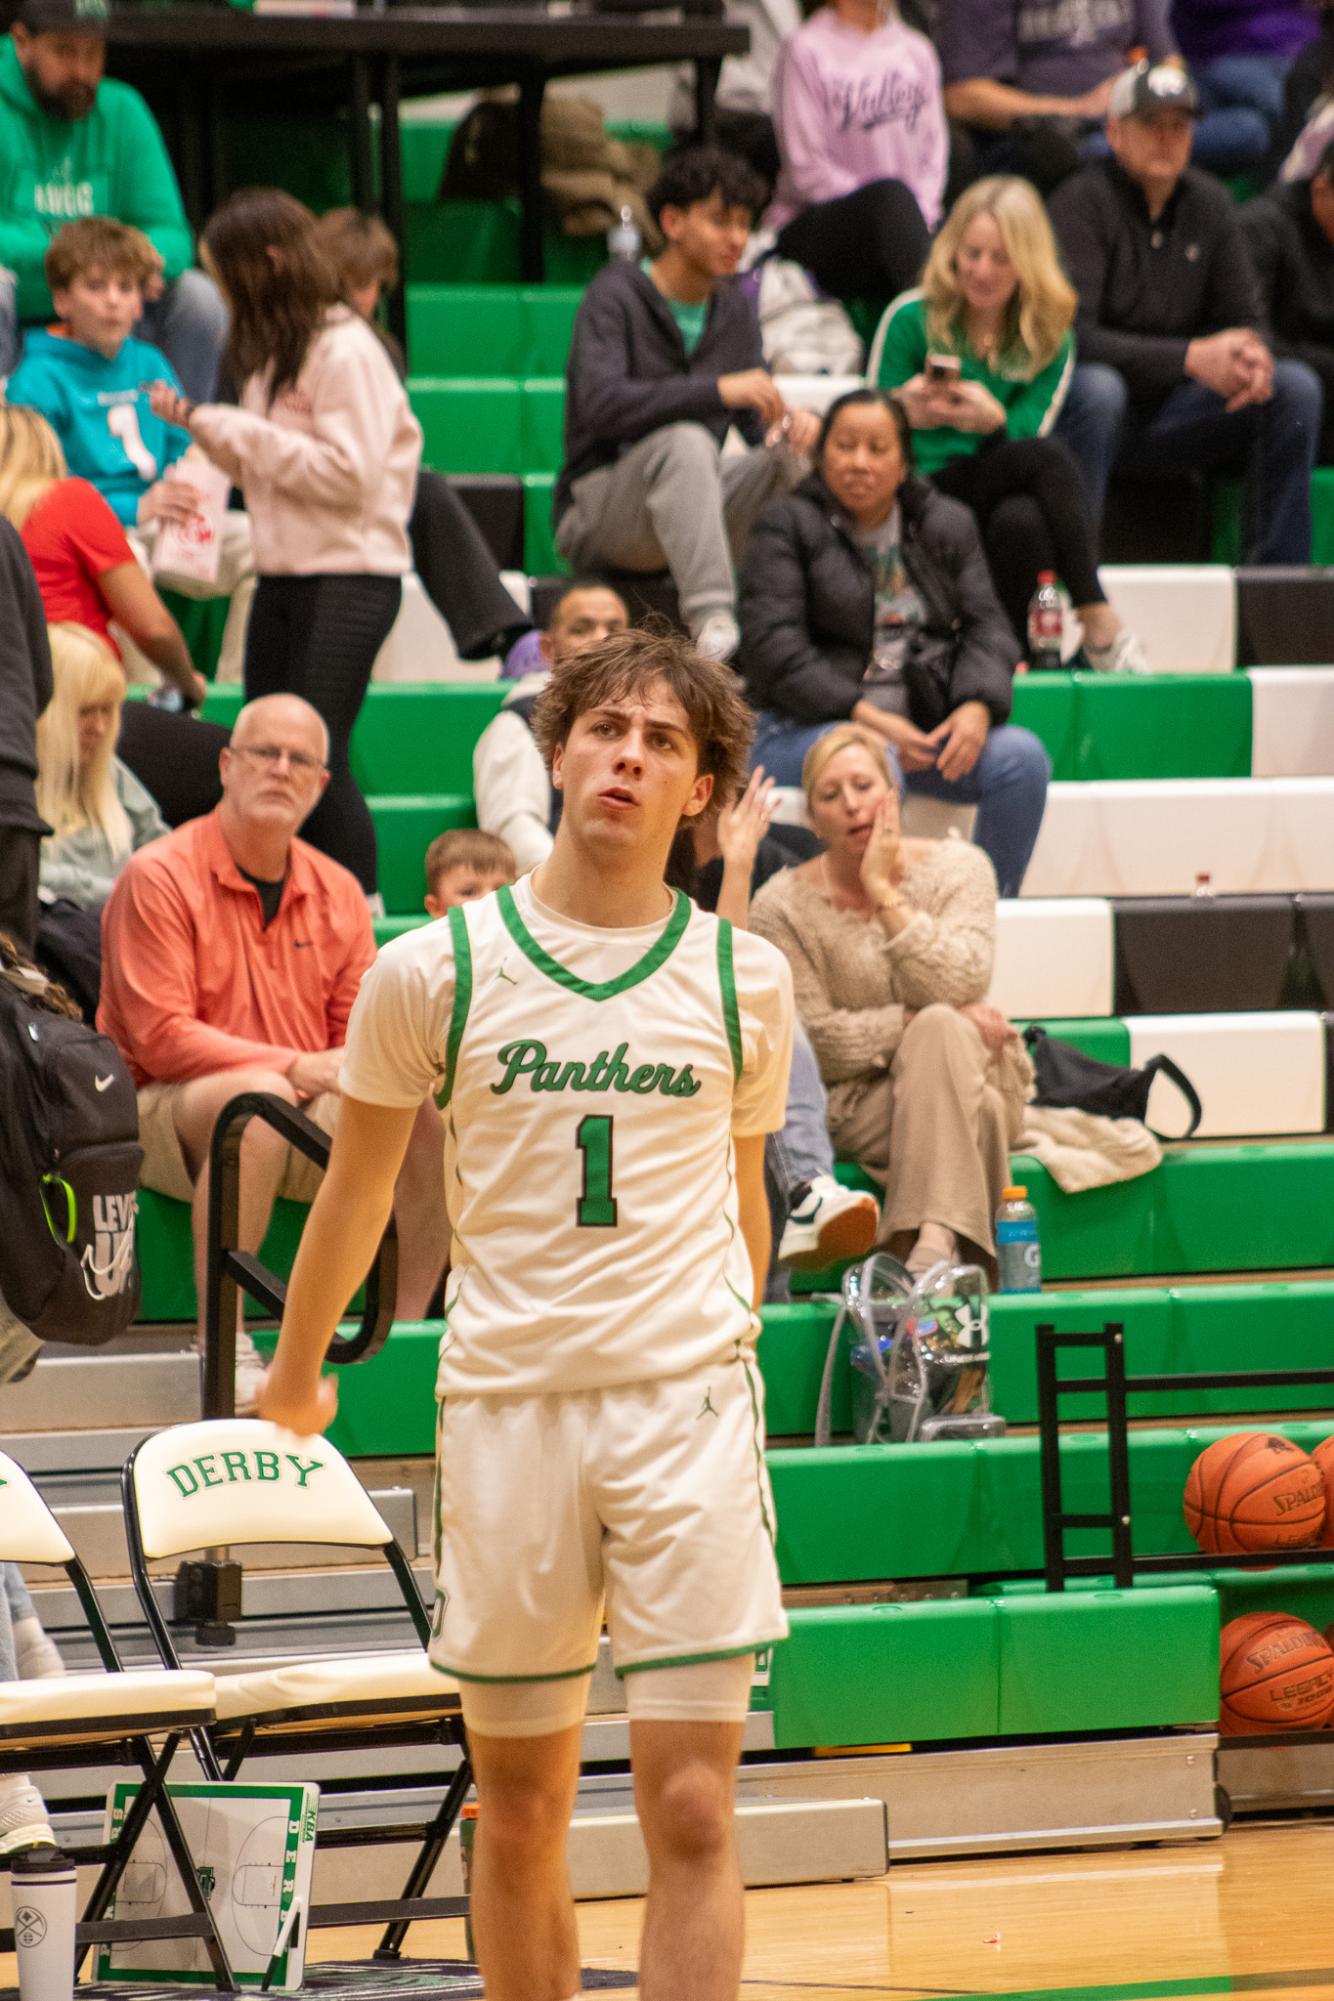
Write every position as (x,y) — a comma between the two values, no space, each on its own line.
(869,244)
(318,637)
(1033,512)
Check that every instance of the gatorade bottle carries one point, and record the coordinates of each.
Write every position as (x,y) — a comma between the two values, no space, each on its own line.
(1018,1252)
(1046,623)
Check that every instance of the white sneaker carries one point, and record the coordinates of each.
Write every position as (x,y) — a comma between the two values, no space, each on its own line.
(718,637)
(23,1821)
(250,1366)
(1123,655)
(829,1223)
(36,1656)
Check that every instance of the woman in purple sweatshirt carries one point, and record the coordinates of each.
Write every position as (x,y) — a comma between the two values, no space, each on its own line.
(864,144)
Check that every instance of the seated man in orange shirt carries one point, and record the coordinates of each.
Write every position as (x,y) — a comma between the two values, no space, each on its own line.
(231,955)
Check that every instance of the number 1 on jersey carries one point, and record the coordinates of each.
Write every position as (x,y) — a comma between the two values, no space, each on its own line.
(597,1204)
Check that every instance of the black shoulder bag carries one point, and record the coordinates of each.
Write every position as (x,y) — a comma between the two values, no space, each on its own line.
(1066,1076)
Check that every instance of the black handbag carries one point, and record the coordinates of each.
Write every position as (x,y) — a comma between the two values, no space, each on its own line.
(1066,1076)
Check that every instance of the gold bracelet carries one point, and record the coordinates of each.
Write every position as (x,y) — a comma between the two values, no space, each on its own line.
(890,903)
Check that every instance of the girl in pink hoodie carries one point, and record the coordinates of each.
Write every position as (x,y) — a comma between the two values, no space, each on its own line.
(865,145)
(325,449)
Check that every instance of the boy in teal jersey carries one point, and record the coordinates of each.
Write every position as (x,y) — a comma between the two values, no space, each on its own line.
(87,375)
(76,143)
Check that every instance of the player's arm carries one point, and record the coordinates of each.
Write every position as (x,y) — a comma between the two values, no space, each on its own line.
(753,1208)
(342,1233)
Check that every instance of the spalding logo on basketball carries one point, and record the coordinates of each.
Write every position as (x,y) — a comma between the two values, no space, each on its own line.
(1254,1491)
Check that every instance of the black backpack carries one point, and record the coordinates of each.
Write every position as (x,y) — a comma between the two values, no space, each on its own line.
(69,1168)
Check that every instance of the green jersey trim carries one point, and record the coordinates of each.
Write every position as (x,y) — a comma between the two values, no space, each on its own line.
(698,1660)
(727,981)
(506,1680)
(594,990)
(458,1014)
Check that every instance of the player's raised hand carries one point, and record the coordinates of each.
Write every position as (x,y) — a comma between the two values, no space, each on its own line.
(306,1409)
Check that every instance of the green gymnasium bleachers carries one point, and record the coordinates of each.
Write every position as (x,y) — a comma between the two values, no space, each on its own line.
(1004,1658)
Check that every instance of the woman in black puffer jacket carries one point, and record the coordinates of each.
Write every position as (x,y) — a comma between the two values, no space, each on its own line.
(865,596)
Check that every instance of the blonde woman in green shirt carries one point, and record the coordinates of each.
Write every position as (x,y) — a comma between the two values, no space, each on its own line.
(980,358)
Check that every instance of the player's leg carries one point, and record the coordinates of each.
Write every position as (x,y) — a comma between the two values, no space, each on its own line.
(685,1783)
(522,1909)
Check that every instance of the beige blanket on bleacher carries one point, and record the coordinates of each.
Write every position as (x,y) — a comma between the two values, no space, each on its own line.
(1084,1150)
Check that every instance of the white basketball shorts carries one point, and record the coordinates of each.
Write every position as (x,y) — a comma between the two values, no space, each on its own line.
(654,1499)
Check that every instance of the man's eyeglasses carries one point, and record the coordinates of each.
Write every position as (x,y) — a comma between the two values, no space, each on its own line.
(272,755)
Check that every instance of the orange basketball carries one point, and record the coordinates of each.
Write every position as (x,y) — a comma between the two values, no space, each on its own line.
(1276,1673)
(1324,1459)
(1254,1491)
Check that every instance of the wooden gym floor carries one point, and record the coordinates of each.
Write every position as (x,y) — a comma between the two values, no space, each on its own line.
(1251,1914)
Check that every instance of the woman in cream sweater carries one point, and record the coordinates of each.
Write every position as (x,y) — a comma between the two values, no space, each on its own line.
(891,943)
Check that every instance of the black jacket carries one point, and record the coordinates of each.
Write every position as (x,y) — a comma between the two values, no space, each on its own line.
(1147,289)
(1294,263)
(629,374)
(25,682)
(807,606)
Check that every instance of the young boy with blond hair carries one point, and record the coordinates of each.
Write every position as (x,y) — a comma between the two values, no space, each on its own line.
(463,865)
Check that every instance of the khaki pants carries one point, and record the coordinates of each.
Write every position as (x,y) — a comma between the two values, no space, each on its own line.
(937,1131)
(165,1167)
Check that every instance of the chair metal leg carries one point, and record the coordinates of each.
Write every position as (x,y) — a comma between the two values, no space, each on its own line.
(423,1868)
(153,1794)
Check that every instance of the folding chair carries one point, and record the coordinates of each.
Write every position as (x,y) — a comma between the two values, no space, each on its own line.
(79,1720)
(234,1481)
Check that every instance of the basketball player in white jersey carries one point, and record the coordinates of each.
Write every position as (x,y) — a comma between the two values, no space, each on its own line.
(610,1059)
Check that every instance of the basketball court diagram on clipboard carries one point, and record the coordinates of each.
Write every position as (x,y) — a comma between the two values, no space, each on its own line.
(254,1847)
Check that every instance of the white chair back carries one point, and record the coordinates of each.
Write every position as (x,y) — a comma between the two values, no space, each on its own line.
(29,1532)
(240,1480)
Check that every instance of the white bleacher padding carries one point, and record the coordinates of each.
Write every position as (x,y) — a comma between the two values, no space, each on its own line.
(1257,1074)
(1169,837)
(816,392)
(1292,722)
(925,819)
(1186,613)
(1053,959)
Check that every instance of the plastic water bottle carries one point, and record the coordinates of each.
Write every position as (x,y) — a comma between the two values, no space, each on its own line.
(1046,622)
(1018,1252)
(624,242)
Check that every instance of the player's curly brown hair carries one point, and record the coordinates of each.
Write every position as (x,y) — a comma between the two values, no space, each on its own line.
(628,662)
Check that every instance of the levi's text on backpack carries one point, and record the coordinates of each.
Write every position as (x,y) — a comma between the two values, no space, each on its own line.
(69,1171)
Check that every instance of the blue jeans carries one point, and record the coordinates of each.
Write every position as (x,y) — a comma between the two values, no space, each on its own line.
(189,324)
(1008,785)
(1274,444)
(1252,82)
(803,1150)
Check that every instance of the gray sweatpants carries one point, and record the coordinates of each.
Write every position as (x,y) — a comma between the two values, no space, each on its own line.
(671,502)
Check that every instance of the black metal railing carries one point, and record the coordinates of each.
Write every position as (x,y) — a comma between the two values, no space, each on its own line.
(1115,1388)
(230,1271)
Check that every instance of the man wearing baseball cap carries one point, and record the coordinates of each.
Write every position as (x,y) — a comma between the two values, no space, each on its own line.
(1175,374)
(73,144)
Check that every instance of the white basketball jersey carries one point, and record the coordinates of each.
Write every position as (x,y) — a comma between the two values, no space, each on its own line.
(592,1081)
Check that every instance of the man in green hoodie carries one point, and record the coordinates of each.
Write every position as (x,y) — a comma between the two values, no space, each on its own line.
(73,144)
